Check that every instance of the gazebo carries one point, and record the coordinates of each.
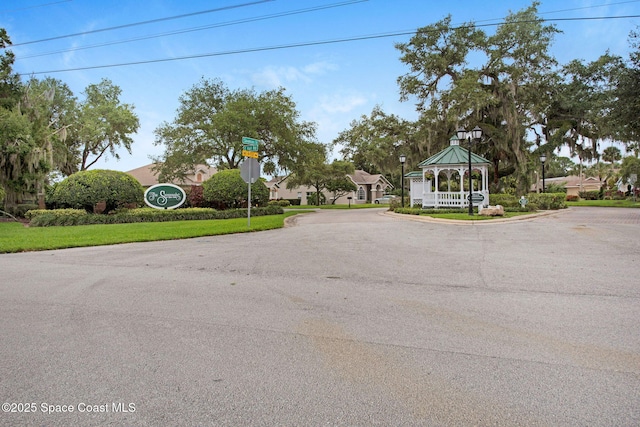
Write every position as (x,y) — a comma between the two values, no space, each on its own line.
(443,179)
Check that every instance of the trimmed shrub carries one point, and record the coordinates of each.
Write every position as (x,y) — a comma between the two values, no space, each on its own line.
(572,198)
(589,195)
(227,189)
(19,211)
(547,201)
(281,202)
(43,218)
(505,200)
(86,189)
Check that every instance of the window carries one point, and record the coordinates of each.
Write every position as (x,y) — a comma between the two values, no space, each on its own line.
(362,195)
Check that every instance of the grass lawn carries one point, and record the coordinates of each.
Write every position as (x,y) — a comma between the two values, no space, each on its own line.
(15,237)
(607,203)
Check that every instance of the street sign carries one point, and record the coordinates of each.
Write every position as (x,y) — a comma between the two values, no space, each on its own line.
(476,198)
(250,170)
(250,144)
(164,196)
(252,154)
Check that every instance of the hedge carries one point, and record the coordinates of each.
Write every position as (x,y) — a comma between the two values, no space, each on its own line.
(85,189)
(47,218)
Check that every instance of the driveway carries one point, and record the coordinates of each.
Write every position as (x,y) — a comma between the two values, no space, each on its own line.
(345,318)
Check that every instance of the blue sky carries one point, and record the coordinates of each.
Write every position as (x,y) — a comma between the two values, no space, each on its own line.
(332,84)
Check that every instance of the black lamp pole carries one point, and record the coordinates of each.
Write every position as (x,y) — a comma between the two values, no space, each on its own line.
(474,135)
(403,159)
(543,158)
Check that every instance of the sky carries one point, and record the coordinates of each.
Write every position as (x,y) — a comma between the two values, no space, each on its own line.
(249,44)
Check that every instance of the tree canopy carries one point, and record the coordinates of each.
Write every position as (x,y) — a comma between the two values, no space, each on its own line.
(45,129)
(212,120)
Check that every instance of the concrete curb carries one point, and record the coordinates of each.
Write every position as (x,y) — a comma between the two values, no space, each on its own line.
(422,218)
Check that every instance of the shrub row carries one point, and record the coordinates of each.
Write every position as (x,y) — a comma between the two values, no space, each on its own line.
(47,218)
(547,201)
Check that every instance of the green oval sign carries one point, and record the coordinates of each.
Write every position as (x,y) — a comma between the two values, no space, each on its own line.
(164,196)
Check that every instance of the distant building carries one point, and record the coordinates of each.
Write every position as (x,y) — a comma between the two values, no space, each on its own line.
(368,188)
(147,177)
(573,184)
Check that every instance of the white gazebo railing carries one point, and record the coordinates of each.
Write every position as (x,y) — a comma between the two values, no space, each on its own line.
(450,168)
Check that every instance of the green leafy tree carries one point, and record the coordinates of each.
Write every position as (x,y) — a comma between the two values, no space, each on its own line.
(630,166)
(227,189)
(374,143)
(499,94)
(626,113)
(212,120)
(338,183)
(85,189)
(104,124)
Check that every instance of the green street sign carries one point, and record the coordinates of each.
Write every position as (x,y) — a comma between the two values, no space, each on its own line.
(164,196)
(250,144)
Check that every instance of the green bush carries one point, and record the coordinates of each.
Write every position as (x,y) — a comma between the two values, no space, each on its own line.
(282,202)
(19,211)
(589,195)
(504,200)
(2,195)
(85,189)
(42,218)
(547,201)
(226,189)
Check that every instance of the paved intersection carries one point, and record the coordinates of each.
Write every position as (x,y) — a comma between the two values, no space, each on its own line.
(343,318)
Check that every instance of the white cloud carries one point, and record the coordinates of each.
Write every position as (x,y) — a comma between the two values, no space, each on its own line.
(341,103)
(272,76)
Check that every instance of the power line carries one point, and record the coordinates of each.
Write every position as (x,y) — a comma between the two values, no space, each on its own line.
(193,29)
(152,21)
(35,6)
(254,19)
(306,44)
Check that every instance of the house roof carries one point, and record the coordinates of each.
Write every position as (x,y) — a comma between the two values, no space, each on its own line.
(454,154)
(571,181)
(147,177)
(359,177)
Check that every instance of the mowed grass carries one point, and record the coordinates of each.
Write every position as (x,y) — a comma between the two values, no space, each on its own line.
(15,237)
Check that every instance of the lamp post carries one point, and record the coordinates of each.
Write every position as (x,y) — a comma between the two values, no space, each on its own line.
(473,136)
(543,158)
(403,159)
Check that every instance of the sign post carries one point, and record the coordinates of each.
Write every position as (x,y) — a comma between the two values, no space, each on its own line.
(250,169)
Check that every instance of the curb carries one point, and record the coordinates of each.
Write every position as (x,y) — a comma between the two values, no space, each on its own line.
(424,218)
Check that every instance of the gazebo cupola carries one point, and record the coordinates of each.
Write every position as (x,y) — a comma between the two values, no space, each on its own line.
(442,179)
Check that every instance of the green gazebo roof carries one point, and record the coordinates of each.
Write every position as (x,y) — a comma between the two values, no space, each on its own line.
(453,155)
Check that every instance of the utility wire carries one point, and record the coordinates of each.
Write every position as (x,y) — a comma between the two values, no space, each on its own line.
(152,21)
(193,29)
(310,43)
(247,20)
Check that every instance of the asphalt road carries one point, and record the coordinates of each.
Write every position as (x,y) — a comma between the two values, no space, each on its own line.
(345,318)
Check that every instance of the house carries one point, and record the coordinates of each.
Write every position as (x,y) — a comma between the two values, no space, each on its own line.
(443,180)
(369,187)
(148,177)
(573,184)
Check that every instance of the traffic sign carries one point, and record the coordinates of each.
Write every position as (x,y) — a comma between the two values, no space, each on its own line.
(250,170)
(252,154)
(250,144)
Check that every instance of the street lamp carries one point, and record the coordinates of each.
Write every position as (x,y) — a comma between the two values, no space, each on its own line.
(403,159)
(543,158)
(473,136)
